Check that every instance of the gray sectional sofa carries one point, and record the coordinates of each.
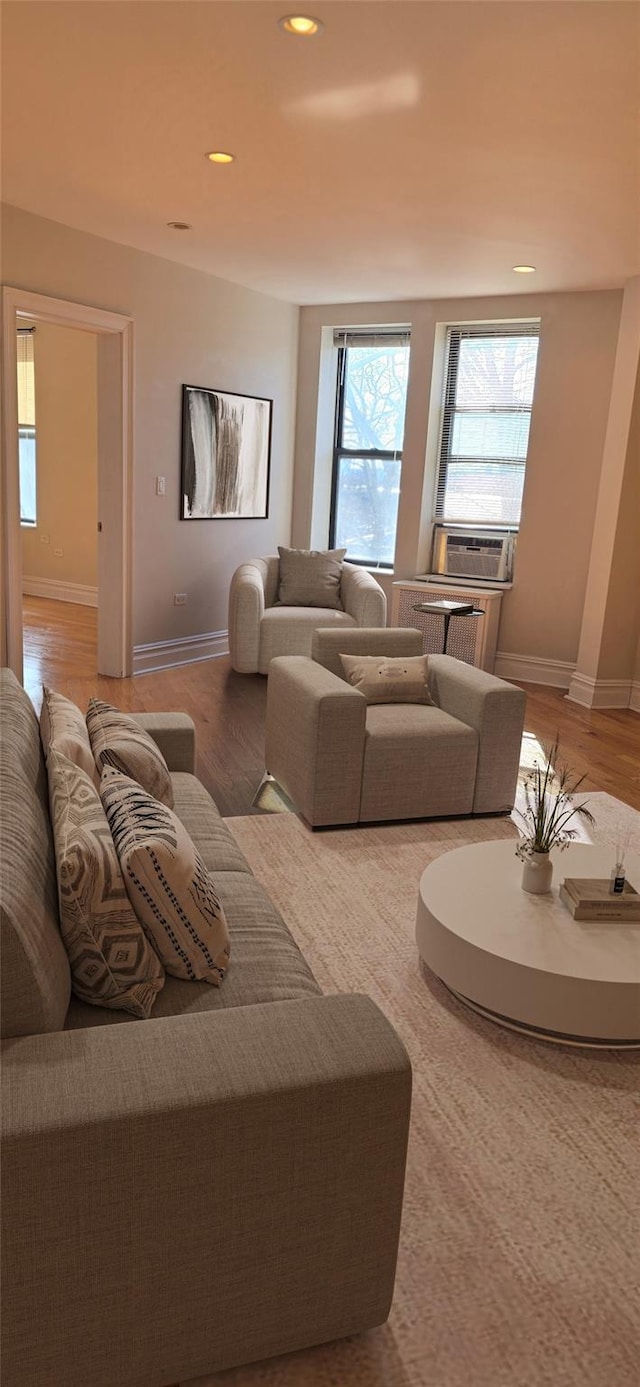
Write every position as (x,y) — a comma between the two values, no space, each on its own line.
(213,1186)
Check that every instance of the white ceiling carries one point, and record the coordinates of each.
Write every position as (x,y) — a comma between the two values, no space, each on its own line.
(411,150)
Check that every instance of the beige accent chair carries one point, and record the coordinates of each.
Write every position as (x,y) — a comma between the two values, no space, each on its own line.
(260,628)
(343,761)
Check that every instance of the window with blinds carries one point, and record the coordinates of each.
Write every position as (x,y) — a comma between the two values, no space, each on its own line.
(489,385)
(27,426)
(373,369)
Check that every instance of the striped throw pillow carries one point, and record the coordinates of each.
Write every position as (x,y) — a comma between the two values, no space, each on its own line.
(112,963)
(118,740)
(167,881)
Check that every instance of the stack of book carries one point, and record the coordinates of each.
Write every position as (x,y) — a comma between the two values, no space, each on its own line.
(591,898)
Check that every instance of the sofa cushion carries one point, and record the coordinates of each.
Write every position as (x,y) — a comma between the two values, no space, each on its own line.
(267,964)
(205,825)
(112,962)
(419,762)
(388,678)
(63,726)
(167,881)
(290,630)
(118,740)
(310,577)
(36,981)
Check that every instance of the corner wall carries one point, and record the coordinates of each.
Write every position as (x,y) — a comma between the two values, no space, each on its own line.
(190,328)
(542,613)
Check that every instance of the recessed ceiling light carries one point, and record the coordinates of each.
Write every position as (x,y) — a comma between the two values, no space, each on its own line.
(180,226)
(304,25)
(220,156)
(524,269)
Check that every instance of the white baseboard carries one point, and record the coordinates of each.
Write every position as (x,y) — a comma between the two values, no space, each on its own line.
(60,591)
(600,693)
(634,700)
(185,650)
(531,669)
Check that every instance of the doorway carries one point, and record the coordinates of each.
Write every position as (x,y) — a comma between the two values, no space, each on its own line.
(114,405)
(58,456)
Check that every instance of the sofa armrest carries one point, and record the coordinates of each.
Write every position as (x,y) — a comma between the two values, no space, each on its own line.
(495,709)
(362,597)
(191,1193)
(246,610)
(314,742)
(175,734)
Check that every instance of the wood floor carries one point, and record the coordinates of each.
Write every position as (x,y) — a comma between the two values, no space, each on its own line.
(228,709)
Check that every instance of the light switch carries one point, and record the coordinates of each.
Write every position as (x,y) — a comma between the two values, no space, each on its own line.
(160,486)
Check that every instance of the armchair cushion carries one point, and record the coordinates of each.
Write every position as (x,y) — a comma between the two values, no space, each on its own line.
(310,577)
(418,763)
(289,630)
(385,679)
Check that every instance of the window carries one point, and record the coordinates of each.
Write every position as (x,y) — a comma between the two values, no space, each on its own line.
(485,429)
(373,368)
(26,426)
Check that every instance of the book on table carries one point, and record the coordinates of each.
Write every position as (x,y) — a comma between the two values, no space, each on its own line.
(445,606)
(591,898)
(597,891)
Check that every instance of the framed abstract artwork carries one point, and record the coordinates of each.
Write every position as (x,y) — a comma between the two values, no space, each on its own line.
(226,455)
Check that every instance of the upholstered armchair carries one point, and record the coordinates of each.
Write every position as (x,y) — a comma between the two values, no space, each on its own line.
(261,628)
(342,760)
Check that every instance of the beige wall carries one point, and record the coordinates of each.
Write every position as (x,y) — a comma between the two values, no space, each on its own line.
(66,458)
(541,615)
(622,613)
(189,328)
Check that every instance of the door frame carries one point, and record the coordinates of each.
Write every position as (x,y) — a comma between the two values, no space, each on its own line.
(115,615)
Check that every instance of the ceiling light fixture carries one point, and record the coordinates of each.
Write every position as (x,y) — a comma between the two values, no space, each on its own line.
(220,156)
(179,226)
(304,25)
(524,269)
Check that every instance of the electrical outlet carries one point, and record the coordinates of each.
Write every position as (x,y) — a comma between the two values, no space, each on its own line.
(160,486)
(179,599)
(58,553)
(44,539)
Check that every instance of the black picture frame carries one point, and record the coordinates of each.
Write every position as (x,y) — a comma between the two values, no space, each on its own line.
(225,456)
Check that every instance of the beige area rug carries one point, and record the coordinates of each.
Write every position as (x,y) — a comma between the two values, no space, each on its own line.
(518,1259)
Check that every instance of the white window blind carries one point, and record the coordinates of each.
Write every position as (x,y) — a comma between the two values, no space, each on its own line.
(26,381)
(489,386)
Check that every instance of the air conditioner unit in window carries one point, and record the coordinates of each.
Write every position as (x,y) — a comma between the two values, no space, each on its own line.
(478,555)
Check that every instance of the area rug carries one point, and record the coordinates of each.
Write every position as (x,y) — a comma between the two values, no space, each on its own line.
(519,1246)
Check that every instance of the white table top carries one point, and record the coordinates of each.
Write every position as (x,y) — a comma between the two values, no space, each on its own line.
(475,892)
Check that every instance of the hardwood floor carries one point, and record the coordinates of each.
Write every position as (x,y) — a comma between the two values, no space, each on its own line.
(228,709)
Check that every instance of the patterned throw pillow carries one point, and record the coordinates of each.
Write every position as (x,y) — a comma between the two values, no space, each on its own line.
(388,678)
(118,740)
(167,880)
(310,577)
(63,727)
(112,963)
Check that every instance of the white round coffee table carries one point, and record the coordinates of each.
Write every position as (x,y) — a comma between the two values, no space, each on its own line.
(523,960)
